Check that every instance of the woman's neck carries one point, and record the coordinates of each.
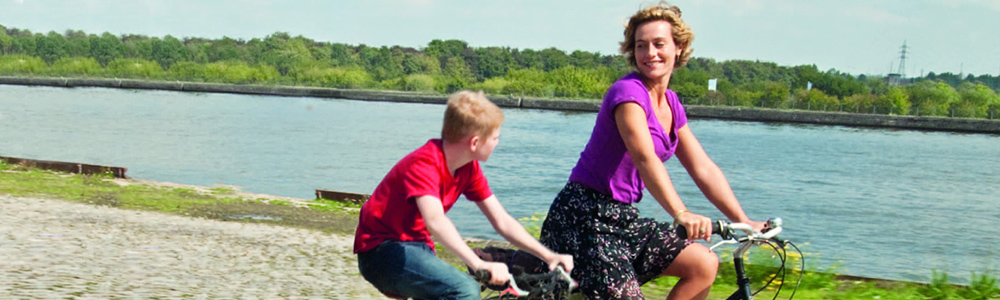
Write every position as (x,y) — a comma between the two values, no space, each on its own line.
(656,86)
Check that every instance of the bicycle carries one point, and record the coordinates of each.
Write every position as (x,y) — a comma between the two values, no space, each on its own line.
(531,280)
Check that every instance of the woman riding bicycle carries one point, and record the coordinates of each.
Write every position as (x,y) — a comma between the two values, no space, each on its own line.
(640,124)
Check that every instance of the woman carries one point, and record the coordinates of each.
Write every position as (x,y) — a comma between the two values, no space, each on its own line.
(640,124)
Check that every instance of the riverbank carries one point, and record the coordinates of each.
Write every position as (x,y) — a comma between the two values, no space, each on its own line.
(99,237)
(694,111)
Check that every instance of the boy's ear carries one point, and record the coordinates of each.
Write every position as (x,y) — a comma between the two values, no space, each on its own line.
(474,142)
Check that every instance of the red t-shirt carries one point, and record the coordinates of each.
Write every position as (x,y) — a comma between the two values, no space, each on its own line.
(392,214)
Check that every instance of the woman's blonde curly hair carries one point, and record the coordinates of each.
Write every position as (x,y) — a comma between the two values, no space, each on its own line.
(682,34)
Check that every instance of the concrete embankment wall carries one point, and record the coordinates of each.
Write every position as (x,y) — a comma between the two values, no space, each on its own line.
(694,111)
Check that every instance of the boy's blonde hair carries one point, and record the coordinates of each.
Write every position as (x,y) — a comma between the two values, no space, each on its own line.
(470,113)
(682,34)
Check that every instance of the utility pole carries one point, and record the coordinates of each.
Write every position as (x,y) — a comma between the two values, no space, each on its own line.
(902,61)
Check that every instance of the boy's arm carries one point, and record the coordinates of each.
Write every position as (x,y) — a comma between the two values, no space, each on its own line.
(511,229)
(444,232)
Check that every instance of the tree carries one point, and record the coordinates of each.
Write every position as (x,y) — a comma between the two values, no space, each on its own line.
(492,62)
(345,55)
(226,49)
(6,42)
(379,63)
(528,59)
(528,82)
(898,99)
(106,48)
(51,47)
(445,49)
(23,42)
(575,83)
(420,63)
(817,100)
(774,93)
(584,59)
(554,59)
(932,98)
(168,51)
(78,43)
(974,100)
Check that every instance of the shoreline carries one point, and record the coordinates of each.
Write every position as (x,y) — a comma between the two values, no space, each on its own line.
(746,114)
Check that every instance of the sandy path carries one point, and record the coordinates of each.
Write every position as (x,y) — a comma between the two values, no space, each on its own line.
(52,249)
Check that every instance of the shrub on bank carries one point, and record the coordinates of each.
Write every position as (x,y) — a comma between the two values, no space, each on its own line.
(76,66)
(135,68)
(21,64)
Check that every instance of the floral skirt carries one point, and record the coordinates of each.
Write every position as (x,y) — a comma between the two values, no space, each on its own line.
(614,250)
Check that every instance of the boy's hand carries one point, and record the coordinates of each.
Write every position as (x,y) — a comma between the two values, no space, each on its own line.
(498,271)
(557,259)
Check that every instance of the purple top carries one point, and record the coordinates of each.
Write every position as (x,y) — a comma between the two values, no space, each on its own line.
(605,164)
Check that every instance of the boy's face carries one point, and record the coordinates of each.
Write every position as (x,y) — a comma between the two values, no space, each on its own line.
(486,145)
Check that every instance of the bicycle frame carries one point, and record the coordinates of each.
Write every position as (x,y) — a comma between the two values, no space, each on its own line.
(752,238)
(742,281)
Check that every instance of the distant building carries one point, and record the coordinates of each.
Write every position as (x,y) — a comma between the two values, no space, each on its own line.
(894,79)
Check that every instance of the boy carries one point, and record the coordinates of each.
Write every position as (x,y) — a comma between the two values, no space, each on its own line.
(393,239)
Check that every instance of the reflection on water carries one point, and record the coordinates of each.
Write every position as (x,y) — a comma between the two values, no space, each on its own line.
(887,203)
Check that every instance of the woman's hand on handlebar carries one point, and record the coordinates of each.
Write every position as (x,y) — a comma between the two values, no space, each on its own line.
(698,227)
(757,226)
(498,272)
(556,259)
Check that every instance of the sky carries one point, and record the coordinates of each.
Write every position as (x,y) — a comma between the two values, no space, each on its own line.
(852,36)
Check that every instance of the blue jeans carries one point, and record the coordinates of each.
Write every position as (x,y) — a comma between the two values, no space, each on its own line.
(410,269)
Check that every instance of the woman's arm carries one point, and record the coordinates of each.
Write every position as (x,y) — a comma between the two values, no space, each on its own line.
(512,231)
(444,232)
(633,127)
(709,178)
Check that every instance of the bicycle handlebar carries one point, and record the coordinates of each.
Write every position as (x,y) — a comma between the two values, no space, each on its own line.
(518,274)
(727,231)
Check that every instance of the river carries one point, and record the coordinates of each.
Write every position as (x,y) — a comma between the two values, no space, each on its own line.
(878,203)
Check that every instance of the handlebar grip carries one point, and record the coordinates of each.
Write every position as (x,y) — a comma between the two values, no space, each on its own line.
(482,276)
(718,228)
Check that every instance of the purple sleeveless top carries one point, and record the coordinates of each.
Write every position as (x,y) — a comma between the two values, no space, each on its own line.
(605,164)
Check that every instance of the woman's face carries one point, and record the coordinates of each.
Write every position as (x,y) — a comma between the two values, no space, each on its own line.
(655,51)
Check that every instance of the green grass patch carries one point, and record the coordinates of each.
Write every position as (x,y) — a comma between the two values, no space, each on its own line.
(220,203)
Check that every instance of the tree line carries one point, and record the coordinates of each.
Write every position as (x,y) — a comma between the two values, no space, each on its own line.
(444,66)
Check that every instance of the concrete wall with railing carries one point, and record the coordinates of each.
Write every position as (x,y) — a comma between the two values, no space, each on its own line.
(694,111)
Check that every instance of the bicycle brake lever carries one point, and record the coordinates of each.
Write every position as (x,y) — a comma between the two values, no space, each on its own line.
(724,242)
(565,276)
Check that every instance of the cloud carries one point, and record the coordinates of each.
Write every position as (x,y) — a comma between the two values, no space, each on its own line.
(876,15)
(992,4)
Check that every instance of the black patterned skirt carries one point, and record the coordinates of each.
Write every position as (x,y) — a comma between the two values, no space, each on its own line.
(614,250)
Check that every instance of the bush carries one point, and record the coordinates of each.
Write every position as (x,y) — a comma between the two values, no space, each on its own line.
(187,71)
(419,83)
(76,66)
(265,74)
(574,82)
(135,68)
(815,99)
(493,86)
(233,71)
(20,64)
(527,82)
(352,77)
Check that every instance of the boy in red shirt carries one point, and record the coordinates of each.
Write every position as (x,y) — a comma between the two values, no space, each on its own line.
(393,239)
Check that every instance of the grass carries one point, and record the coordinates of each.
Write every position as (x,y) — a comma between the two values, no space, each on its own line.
(226,203)
(220,203)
